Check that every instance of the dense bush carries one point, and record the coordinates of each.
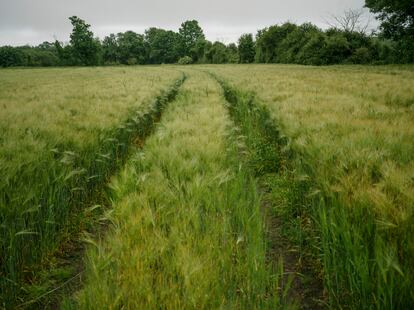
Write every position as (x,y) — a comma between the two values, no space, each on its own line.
(131,48)
(27,56)
(186,60)
(312,52)
(361,55)
(10,56)
(217,54)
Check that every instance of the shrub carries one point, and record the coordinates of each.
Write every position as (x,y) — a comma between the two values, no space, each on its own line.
(132,61)
(361,55)
(10,56)
(186,60)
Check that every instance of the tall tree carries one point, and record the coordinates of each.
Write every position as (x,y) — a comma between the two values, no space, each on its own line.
(65,54)
(163,45)
(269,39)
(110,49)
(233,53)
(217,53)
(85,47)
(397,23)
(397,17)
(190,33)
(198,51)
(246,48)
(288,49)
(131,48)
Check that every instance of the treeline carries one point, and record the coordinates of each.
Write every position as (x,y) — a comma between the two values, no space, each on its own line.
(155,46)
(43,55)
(308,45)
(286,43)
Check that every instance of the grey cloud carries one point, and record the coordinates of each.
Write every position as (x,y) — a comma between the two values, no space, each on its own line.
(31,21)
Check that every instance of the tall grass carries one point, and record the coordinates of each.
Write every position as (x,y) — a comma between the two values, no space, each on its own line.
(187,230)
(42,197)
(345,195)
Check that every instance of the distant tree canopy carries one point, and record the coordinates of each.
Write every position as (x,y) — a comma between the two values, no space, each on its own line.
(246,48)
(131,48)
(163,46)
(84,47)
(286,43)
(38,56)
(190,33)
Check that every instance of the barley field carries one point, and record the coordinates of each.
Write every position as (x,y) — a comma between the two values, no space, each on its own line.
(352,131)
(192,170)
(62,133)
(185,207)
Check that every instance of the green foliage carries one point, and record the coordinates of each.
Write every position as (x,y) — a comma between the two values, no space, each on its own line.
(268,40)
(361,55)
(10,56)
(306,44)
(131,48)
(65,54)
(290,47)
(397,17)
(246,48)
(337,48)
(110,49)
(163,46)
(286,43)
(217,53)
(85,48)
(43,55)
(186,60)
(199,50)
(38,58)
(397,23)
(233,53)
(312,53)
(190,32)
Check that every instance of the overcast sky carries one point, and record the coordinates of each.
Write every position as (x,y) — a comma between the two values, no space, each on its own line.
(35,21)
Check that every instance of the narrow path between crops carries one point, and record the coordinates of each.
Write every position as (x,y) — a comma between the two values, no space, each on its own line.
(265,154)
(303,288)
